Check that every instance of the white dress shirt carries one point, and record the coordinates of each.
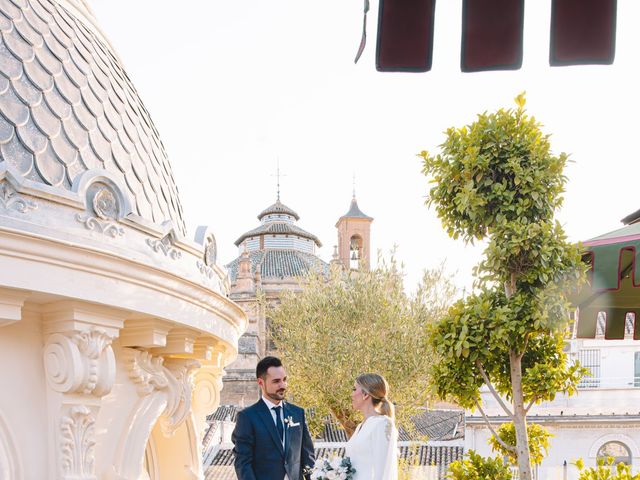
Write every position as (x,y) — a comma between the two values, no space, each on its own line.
(270,406)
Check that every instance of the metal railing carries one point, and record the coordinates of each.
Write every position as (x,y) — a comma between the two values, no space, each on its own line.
(609,382)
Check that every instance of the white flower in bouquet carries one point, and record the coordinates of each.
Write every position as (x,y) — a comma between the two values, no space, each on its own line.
(333,469)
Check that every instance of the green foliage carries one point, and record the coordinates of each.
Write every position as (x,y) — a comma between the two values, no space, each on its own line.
(355,322)
(480,331)
(497,170)
(476,467)
(538,442)
(496,179)
(606,471)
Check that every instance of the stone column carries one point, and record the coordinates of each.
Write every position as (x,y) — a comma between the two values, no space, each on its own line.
(80,369)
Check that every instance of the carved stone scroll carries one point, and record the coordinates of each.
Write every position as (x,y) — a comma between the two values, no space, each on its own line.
(165,247)
(10,199)
(106,227)
(80,363)
(180,376)
(173,377)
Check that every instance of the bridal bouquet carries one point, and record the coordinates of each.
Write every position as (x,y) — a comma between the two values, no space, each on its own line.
(333,469)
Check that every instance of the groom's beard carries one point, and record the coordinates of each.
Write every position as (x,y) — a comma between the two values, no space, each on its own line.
(278,395)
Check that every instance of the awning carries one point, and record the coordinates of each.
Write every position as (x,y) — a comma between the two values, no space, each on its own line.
(612,292)
(582,32)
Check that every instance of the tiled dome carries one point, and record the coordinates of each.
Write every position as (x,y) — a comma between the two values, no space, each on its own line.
(279,249)
(67,107)
(278,228)
(278,208)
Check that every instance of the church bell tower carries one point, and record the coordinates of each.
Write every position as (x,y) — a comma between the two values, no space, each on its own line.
(354,238)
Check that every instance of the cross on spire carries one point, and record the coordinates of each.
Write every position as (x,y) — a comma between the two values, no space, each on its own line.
(278,175)
(354,185)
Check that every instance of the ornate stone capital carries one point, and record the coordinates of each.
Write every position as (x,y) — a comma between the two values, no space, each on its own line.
(173,377)
(80,369)
(181,387)
(81,362)
(147,372)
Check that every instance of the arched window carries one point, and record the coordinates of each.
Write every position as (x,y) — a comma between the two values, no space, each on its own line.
(618,450)
(355,252)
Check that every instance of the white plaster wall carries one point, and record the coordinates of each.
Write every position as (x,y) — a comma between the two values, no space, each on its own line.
(567,444)
(616,394)
(617,360)
(599,401)
(23,396)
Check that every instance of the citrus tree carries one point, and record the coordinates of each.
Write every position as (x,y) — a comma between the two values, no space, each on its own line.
(476,467)
(350,323)
(606,470)
(537,436)
(497,180)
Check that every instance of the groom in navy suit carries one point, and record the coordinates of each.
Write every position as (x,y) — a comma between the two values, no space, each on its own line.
(271,439)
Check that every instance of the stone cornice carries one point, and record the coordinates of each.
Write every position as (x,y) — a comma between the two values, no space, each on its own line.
(124,282)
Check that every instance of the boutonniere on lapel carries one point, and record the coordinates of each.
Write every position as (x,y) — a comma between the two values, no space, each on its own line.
(290,423)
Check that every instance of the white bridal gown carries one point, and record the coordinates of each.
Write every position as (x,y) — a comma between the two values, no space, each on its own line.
(373,449)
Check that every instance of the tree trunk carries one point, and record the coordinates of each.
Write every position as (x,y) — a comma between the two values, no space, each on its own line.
(520,417)
(345,421)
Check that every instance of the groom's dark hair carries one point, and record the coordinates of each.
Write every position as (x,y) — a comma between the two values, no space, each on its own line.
(265,364)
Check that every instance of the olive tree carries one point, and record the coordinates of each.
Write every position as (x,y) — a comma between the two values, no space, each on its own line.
(497,180)
(348,323)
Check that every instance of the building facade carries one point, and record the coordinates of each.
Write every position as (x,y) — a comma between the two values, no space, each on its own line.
(115,325)
(275,257)
(601,420)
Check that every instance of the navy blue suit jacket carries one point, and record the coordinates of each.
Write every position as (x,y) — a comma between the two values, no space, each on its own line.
(259,454)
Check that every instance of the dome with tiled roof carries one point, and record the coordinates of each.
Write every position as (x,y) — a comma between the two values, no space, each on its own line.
(69,113)
(278,248)
(279,228)
(278,208)
(81,160)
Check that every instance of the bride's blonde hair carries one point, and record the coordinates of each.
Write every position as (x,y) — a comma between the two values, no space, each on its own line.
(377,388)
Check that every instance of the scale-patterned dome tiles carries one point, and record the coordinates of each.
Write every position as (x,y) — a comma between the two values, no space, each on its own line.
(67,105)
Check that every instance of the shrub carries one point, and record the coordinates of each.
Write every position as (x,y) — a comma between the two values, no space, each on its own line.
(538,442)
(606,471)
(476,467)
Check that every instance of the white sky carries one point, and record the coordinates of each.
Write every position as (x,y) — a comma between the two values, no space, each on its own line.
(232,85)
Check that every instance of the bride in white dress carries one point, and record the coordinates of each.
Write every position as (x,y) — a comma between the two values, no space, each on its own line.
(373,447)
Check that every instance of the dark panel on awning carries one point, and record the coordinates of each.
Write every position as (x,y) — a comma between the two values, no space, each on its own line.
(583,32)
(492,35)
(615,321)
(405,35)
